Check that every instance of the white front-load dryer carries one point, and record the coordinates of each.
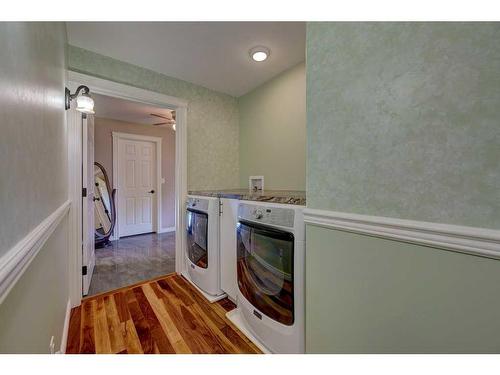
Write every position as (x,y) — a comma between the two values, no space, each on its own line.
(202,243)
(271,271)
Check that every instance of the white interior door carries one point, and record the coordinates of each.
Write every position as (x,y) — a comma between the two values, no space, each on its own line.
(137,184)
(88,240)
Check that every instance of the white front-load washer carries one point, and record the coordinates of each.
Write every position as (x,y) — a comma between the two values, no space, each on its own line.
(202,243)
(271,274)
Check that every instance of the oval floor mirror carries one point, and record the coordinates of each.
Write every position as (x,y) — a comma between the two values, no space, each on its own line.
(104,207)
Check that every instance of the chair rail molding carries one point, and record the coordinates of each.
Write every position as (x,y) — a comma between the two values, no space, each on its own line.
(469,240)
(14,262)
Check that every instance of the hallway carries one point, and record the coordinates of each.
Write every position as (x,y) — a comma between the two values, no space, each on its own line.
(133,259)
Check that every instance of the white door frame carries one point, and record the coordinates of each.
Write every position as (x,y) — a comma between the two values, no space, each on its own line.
(118,90)
(117,137)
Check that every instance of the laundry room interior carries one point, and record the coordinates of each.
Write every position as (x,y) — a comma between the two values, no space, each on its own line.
(261,187)
(237,236)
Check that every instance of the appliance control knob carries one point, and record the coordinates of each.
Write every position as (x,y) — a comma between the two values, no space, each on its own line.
(258,214)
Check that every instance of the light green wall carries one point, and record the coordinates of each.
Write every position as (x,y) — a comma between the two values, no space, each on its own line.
(273,132)
(33,180)
(371,295)
(213,132)
(403,120)
(32,140)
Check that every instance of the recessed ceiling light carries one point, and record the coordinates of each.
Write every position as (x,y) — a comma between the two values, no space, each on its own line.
(259,53)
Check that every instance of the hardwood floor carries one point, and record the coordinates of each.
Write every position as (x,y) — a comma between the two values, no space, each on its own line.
(165,315)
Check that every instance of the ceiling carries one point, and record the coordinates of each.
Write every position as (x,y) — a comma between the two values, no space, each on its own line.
(128,111)
(211,54)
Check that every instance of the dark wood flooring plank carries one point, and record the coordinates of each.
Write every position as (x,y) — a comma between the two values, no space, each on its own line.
(131,338)
(141,325)
(217,315)
(159,334)
(227,304)
(88,346)
(218,335)
(121,306)
(234,334)
(200,300)
(165,320)
(75,322)
(101,332)
(183,294)
(187,325)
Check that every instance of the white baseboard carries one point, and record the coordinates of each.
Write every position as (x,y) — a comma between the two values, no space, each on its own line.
(469,240)
(15,261)
(64,336)
(167,229)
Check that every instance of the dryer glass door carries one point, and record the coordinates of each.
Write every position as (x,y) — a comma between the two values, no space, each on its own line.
(197,237)
(265,270)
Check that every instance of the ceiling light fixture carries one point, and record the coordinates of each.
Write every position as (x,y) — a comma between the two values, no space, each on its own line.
(259,53)
(84,102)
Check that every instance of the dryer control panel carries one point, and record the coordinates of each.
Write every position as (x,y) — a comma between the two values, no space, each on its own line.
(197,204)
(282,217)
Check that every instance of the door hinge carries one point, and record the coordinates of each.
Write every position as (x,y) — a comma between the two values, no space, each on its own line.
(84,270)
(220,208)
(84,192)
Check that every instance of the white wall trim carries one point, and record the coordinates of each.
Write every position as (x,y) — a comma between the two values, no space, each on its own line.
(64,336)
(117,137)
(118,90)
(470,240)
(166,229)
(15,262)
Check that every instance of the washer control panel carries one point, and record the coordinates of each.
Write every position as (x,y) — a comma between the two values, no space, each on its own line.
(197,204)
(283,217)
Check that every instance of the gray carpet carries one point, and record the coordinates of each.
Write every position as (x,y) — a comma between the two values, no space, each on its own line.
(133,259)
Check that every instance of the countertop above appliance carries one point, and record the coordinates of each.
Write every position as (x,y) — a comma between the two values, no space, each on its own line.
(273,196)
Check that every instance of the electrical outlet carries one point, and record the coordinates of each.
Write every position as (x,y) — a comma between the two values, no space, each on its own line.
(52,345)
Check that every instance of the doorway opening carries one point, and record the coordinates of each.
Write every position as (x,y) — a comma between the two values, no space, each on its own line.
(134,144)
(132,159)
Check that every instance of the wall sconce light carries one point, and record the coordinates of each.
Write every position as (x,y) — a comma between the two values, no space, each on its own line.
(84,102)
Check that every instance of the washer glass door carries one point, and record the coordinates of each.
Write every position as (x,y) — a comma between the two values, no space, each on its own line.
(265,270)
(197,237)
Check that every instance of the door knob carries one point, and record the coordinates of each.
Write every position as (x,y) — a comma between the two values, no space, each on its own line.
(152,191)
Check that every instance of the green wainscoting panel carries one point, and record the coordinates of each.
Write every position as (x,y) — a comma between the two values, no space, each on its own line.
(372,295)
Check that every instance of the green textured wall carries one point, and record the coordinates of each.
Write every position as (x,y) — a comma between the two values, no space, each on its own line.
(403,120)
(371,295)
(213,130)
(273,132)
(34,181)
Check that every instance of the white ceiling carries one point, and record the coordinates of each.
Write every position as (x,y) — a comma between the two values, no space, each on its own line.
(210,54)
(128,111)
